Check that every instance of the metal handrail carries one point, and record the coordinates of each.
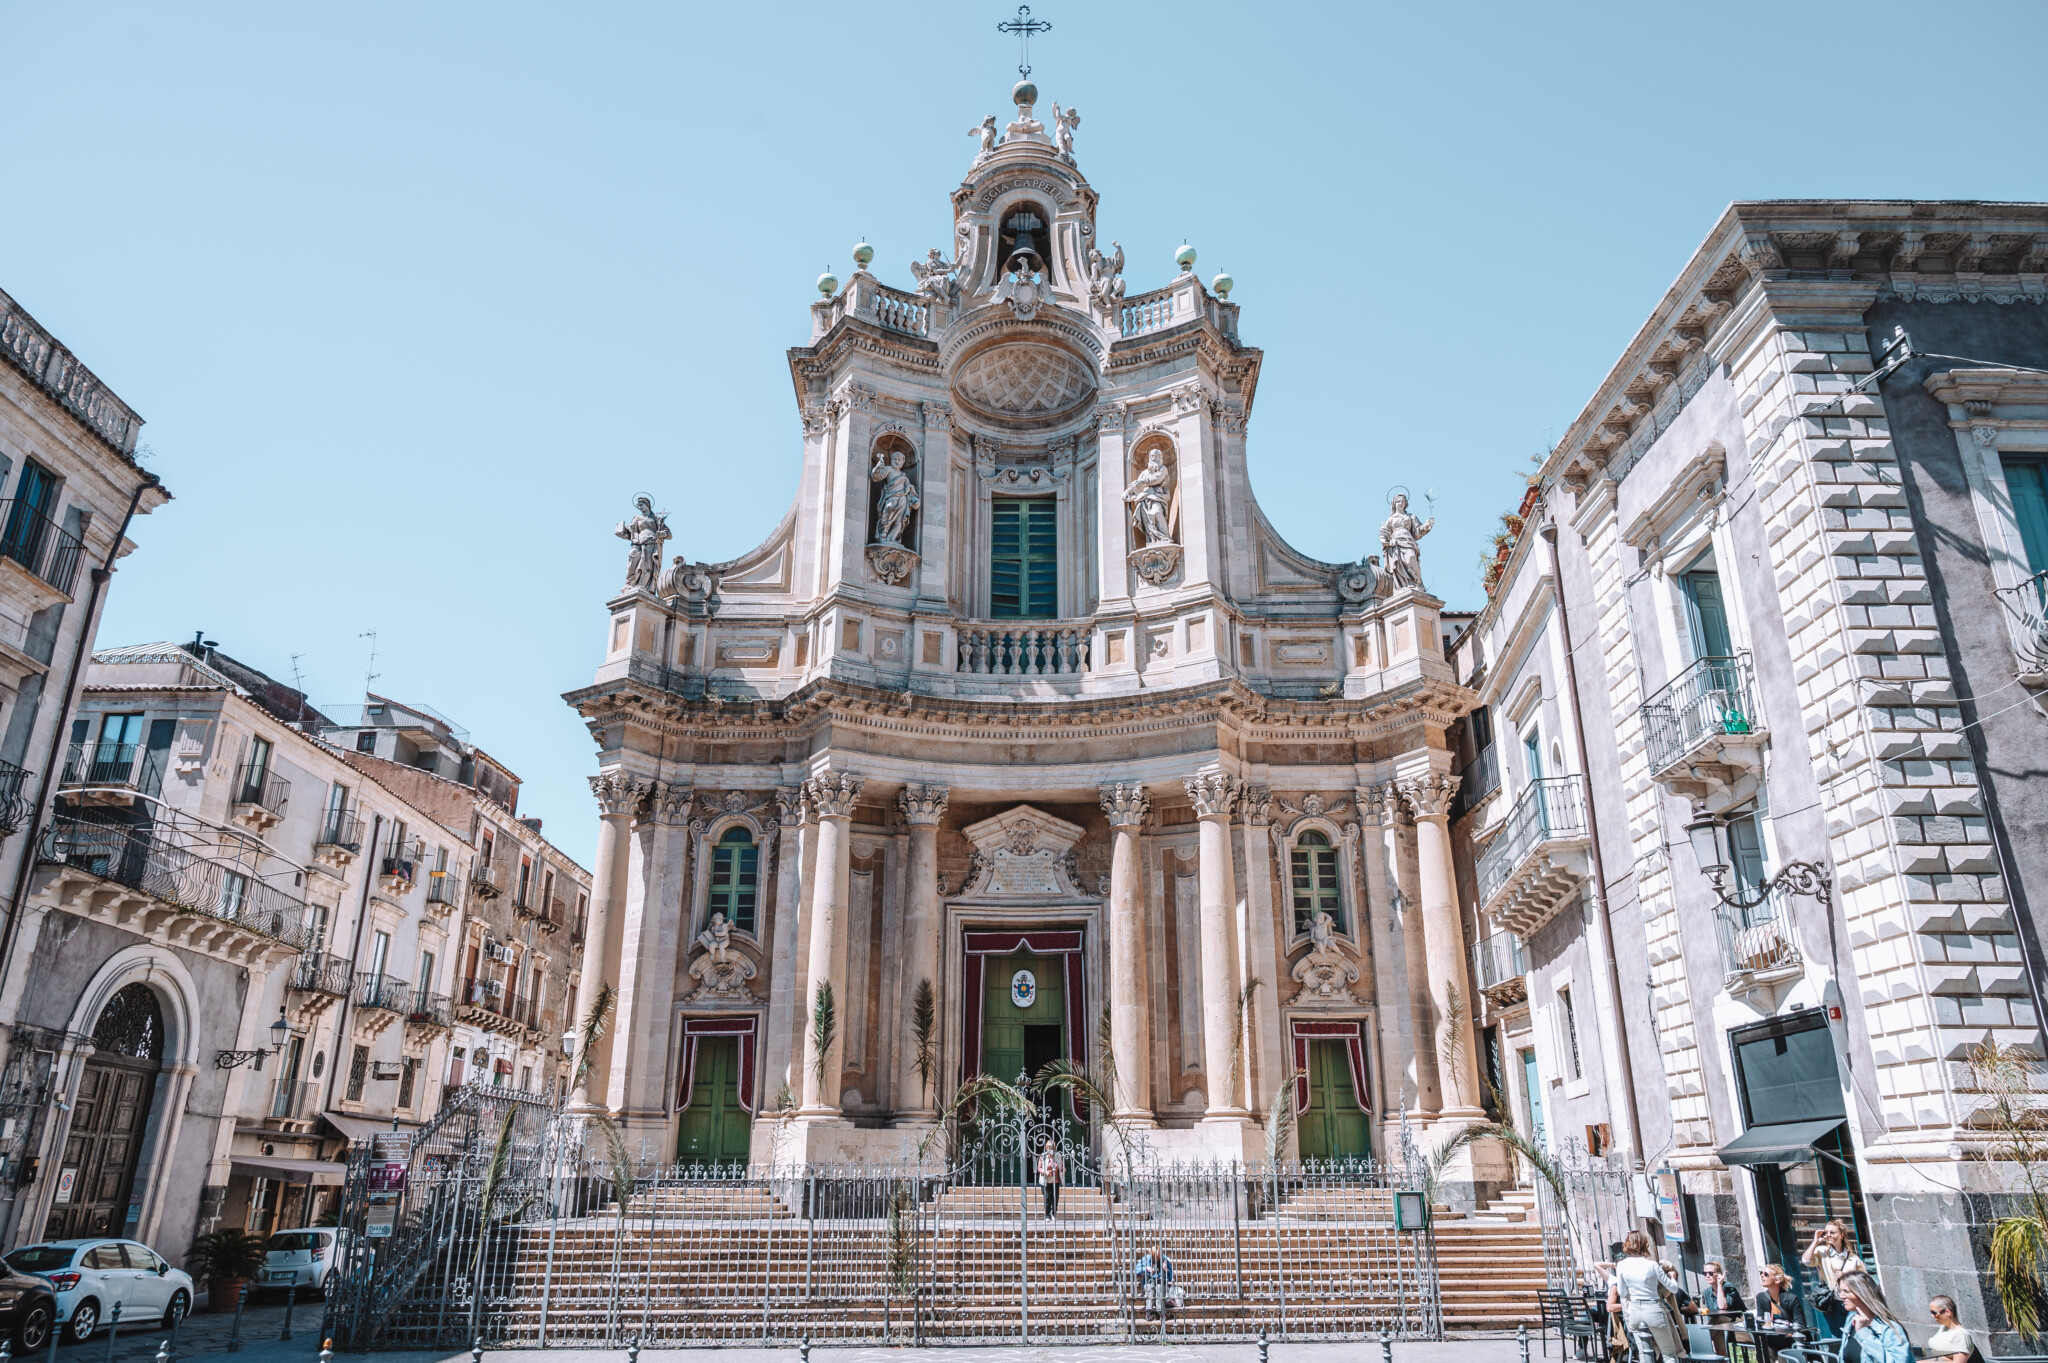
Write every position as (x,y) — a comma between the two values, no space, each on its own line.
(2027,603)
(258,785)
(444,887)
(1758,940)
(93,763)
(388,992)
(402,858)
(130,855)
(342,828)
(39,544)
(1478,781)
(1552,807)
(1498,959)
(15,807)
(1712,697)
(430,1010)
(323,972)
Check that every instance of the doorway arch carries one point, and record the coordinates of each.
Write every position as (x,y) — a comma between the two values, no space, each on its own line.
(110,1115)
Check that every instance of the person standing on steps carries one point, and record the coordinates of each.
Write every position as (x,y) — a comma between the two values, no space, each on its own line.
(1050,1170)
(1831,1254)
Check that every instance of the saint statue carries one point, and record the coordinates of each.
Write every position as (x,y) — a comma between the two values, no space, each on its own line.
(987,133)
(717,939)
(1150,498)
(897,499)
(1401,565)
(646,532)
(1105,276)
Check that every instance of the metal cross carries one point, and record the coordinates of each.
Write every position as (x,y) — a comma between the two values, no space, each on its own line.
(1024,26)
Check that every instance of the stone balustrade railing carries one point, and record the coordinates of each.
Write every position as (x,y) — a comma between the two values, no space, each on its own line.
(1045,648)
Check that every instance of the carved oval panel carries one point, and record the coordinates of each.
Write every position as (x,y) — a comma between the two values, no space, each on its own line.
(1023,382)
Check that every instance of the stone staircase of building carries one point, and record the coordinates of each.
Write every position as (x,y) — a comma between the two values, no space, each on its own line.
(1490,1264)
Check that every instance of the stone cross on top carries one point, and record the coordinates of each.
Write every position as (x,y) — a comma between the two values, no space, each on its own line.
(1023,26)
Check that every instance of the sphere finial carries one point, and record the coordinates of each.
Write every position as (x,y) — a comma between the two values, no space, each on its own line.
(862,254)
(1222,284)
(1185,258)
(1024,94)
(828,283)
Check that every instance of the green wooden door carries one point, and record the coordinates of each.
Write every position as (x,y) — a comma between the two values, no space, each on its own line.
(1003,1022)
(1332,1127)
(715,1128)
(2028,481)
(1707,615)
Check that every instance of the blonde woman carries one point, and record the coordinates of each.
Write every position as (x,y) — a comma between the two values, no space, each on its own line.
(1832,1254)
(1637,1291)
(1774,1304)
(1872,1325)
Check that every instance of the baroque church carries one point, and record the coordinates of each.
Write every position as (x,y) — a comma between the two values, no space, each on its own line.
(1024,731)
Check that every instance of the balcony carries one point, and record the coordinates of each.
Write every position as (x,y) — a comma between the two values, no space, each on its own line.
(176,896)
(319,981)
(15,807)
(487,878)
(1024,648)
(1537,857)
(1703,731)
(34,542)
(1477,782)
(1500,964)
(444,893)
(260,797)
(429,1013)
(110,773)
(381,1000)
(340,840)
(484,1004)
(557,914)
(401,864)
(1758,949)
(2026,615)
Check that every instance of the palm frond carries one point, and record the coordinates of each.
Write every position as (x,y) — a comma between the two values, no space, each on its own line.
(1245,996)
(1450,1048)
(1280,1118)
(902,1243)
(495,1170)
(924,1027)
(615,1153)
(1087,1087)
(824,1029)
(2017,1244)
(595,1022)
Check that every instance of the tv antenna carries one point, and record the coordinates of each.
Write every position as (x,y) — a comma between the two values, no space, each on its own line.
(299,685)
(370,673)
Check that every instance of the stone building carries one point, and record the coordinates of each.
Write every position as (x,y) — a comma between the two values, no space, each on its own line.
(1790,557)
(1026,701)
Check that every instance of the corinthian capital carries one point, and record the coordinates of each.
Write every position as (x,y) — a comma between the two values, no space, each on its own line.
(789,806)
(834,794)
(617,793)
(1125,804)
(1214,794)
(1258,806)
(924,805)
(1380,804)
(1430,796)
(669,802)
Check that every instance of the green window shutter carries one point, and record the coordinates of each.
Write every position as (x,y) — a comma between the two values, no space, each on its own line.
(735,875)
(1706,615)
(2028,480)
(1024,558)
(1312,869)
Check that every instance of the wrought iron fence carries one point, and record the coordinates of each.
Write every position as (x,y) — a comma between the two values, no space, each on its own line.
(1758,940)
(132,855)
(508,1221)
(89,763)
(15,807)
(1711,698)
(377,990)
(323,972)
(258,785)
(1586,1225)
(1552,807)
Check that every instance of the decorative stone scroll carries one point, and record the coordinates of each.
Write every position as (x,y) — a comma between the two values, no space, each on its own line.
(1023,851)
(722,971)
(1327,972)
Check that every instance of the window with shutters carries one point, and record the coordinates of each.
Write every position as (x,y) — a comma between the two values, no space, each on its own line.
(1024,558)
(1313,868)
(735,873)
(358,1071)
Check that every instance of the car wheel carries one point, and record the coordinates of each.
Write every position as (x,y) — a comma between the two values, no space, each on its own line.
(85,1319)
(175,1312)
(32,1327)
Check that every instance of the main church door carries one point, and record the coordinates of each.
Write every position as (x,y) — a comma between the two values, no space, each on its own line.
(715,1128)
(97,1174)
(1332,1127)
(1024,1014)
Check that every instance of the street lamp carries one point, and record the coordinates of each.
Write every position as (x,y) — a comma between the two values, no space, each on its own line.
(280,1033)
(1705,831)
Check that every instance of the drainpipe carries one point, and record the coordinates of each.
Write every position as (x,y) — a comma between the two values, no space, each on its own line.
(87,628)
(1606,929)
(354,954)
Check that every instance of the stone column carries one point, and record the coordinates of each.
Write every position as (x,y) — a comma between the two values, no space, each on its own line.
(1262,953)
(923,807)
(618,795)
(1130,1005)
(1215,796)
(655,928)
(1390,870)
(1457,1068)
(833,798)
(785,959)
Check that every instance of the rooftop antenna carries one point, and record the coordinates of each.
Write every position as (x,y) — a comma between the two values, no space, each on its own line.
(1023,26)
(299,686)
(370,673)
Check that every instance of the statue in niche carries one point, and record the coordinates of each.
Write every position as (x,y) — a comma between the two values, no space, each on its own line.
(1066,121)
(897,499)
(1326,973)
(716,939)
(987,133)
(1399,537)
(721,972)
(934,275)
(1150,498)
(646,532)
(1105,276)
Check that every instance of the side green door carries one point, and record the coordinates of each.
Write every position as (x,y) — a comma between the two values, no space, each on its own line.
(715,1128)
(1003,1022)
(1333,1127)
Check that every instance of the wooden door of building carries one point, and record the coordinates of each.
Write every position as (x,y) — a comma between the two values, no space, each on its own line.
(1024,1014)
(1333,1126)
(715,1129)
(96,1177)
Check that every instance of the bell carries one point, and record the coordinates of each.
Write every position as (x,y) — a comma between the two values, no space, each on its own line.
(1024,224)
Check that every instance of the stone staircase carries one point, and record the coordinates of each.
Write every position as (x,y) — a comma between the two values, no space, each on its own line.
(1490,1264)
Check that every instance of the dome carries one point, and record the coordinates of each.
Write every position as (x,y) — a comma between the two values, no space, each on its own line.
(1185,257)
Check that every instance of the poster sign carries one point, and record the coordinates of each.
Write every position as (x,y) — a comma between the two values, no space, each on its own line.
(378,1220)
(1670,1206)
(388,1160)
(66,1181)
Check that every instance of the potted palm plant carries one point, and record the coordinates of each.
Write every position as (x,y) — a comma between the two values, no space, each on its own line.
(226,1259)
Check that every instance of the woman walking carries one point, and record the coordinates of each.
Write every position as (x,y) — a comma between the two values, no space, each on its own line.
(1051,1168)
(1637,1293)
(1873,1327)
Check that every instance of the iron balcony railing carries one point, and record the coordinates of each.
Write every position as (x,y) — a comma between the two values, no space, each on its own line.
(1553,807)
(1498,959)
(1711,698)
(444,887)
(429,1010)
(1478,782)
(113,764)
(39,544)
(1024,648)
(388,992)
(15,807)
(1758,940)
(2026,604)
(258,785)
(341,828)
(323,972)
(132,855)
(402,857)
(486,994)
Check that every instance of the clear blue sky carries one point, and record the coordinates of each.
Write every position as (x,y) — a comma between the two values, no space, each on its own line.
(416,297)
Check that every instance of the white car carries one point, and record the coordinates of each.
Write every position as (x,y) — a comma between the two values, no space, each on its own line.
(92,1277)
(301,1258)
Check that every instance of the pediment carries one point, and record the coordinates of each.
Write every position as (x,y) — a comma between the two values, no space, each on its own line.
(1022,851)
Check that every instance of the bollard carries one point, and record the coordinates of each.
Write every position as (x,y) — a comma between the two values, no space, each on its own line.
(1386,1346)
(113,1330)
(476,1350)
(1522,1338)
(803,1350)
(326,1351)
(633,1350)
(291,1299)
(1262,1346)
(235,1333)
(56,1333)
(163,1352)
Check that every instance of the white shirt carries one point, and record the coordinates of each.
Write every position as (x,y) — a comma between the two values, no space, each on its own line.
(1639,1279)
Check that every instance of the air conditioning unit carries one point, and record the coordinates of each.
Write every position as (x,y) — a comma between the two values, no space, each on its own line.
(494,988)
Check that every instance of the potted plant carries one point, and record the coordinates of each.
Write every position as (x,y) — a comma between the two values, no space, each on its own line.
(226,1259)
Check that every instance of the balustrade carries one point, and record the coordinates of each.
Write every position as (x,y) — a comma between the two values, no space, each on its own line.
(1052,648)
(1147,312)
(902,311)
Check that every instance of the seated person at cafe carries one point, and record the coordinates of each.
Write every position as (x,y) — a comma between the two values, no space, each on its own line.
(1775,1304)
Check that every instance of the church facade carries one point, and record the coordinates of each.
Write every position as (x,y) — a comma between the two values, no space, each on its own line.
(1023,732)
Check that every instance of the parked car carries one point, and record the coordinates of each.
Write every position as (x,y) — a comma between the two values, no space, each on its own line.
(302,1258)
(28,1308)
(89,1278)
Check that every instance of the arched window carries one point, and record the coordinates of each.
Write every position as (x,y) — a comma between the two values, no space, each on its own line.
(1314,867)
(735,873)
(131,1024)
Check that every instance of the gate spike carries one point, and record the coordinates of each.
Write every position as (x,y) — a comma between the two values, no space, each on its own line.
(1386,1345)
(476,1350)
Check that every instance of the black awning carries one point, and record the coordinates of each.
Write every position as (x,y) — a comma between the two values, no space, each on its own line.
(1778,1143)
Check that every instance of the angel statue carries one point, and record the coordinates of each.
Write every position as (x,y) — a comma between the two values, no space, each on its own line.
(1106,275)
(646,533)
(934,275)
(1399,533)
(897,500)
(987,133)
(1150,499)
(717,938)
(1066,123)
